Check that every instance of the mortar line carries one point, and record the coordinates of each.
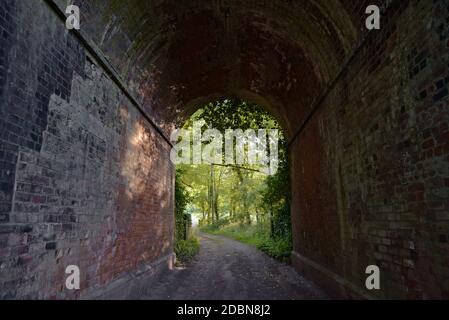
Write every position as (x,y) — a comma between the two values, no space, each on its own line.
(107,67)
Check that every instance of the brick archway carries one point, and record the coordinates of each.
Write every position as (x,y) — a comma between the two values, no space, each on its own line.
(85,173)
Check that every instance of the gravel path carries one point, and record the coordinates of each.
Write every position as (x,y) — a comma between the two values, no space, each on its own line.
(229,270)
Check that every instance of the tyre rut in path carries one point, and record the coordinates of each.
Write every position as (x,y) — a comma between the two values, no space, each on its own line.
(226,269)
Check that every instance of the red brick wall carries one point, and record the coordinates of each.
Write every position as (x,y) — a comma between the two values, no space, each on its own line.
(90,182)
(85,179)
(370,169)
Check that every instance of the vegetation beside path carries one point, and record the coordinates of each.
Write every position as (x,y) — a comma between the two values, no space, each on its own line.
(256,236)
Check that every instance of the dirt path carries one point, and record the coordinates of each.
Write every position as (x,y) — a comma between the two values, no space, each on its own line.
(227,269)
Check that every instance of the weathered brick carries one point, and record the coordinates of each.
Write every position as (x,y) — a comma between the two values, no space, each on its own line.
(369,168)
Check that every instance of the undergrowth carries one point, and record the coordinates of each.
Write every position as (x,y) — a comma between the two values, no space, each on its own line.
(186,249)
(256,236)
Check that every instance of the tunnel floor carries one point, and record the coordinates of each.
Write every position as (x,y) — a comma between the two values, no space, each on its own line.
(229,270)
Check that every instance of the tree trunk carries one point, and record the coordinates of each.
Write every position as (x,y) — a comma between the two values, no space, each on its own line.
(271,222)
(257,216)
(212,194)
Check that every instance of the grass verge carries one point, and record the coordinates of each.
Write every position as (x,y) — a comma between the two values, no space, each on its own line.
(186,249)
(256,236)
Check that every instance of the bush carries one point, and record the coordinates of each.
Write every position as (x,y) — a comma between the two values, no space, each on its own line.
(279,249)
(182,199)
(186,249)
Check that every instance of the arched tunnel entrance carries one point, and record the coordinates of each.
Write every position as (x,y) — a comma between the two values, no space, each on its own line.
(232,183)
(232,170)
(86,117)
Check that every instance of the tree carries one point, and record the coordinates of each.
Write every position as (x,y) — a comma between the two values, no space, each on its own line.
(182,199)
(240,193)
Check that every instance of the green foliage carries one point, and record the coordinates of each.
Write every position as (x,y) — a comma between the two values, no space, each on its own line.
(241,201)
(215,226)
(251,235)
(278,248)
(182,199)
(186,246)
(257,236)
(235,114)
(186,249)
(276,199)
(238,114)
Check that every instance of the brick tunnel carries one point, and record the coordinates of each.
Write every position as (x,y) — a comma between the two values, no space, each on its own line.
(86,116)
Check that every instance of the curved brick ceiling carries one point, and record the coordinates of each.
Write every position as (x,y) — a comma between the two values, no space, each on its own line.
(176,54)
